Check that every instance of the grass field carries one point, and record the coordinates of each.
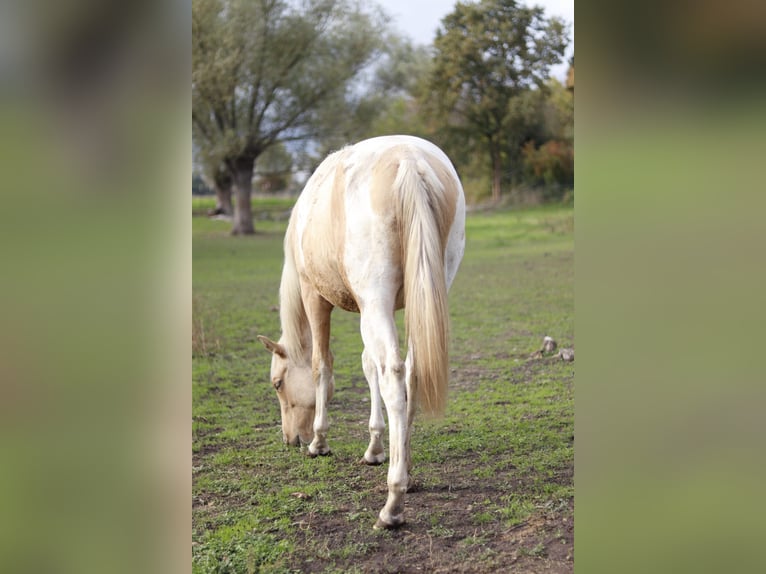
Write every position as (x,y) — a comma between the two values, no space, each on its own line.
(493,478)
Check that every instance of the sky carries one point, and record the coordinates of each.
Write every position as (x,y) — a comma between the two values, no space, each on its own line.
(419,19)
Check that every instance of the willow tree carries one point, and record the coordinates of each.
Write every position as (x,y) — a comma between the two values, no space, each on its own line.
(488,54)
(261,70)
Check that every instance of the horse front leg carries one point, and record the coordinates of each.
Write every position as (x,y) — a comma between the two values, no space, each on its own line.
(318,310)
(375,453)
(382,350)
(324,382)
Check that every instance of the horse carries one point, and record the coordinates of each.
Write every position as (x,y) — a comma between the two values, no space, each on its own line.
(379,226)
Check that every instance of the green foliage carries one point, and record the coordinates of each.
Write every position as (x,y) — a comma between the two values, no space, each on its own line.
(547,156)
(552,164)
(273,170)
(559,112)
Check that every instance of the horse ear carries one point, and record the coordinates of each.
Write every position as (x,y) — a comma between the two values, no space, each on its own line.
(275,348)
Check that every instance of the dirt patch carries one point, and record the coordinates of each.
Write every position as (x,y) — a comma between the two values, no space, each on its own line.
(451,542)
(453,525)
(468,378)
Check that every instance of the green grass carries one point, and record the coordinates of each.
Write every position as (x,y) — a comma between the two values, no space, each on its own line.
(264,208)
(504,448)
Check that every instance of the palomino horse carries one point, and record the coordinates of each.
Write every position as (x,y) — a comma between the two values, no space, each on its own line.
(380,225)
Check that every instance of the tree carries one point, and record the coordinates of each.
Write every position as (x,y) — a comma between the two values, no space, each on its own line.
(262,69)
(399,80)
(219,180)
(216,176)
(548,156)
(487,56)
(273,170)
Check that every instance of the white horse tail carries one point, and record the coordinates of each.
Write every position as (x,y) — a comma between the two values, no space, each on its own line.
(427,213)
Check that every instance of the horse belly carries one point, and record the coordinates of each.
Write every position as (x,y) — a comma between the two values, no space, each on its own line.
(332,288)
(323,272)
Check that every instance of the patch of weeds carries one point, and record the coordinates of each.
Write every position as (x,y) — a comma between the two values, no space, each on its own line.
(436,519)
(353,549)
(343,570)
(538,551)
(364,516)
(484,472)
(438,527)
(483,518)
(239,548)
(205,339)
(515,510)
(384,533)
(475,548)
(229,456)
(441,531)
(320,547)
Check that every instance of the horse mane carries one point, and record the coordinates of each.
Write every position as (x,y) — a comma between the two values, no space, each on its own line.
(296,334)
(292,314)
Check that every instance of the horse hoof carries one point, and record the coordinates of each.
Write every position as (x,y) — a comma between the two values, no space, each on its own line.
(396,522)
(323,452)
(374,462)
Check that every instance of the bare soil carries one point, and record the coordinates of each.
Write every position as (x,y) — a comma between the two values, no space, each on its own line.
(544,543)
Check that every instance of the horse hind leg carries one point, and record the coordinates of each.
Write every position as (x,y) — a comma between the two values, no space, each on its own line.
(411,386)
(394,396)
(375,453)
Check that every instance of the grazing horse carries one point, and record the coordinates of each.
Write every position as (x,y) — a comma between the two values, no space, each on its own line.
(380,226)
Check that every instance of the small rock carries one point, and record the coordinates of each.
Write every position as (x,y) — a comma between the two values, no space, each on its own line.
(549,345)
(566,354)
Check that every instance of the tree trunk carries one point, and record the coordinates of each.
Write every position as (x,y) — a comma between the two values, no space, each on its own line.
(223,199)
(220,181)
(242,173)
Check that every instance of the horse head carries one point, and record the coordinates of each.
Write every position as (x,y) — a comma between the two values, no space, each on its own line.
(296,393)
